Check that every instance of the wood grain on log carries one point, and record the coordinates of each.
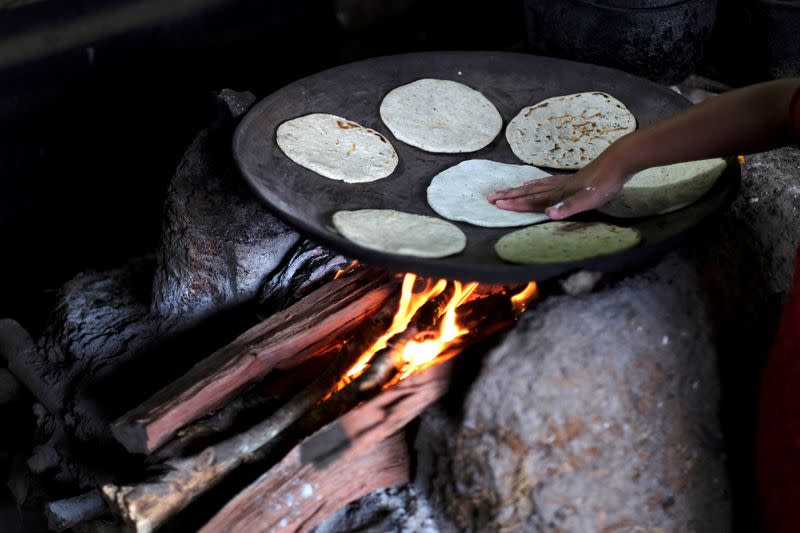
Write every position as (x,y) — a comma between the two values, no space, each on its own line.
(336,465)
(282,341)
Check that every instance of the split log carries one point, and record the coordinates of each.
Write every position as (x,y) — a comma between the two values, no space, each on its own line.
(148,505)
(297,494)
(329,466)
(282,341)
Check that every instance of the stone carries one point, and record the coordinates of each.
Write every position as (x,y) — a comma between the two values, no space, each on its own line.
(596,412)
(219,241)
(9,387)
(768,207)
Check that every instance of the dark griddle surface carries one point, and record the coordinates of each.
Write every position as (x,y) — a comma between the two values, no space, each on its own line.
(511,81)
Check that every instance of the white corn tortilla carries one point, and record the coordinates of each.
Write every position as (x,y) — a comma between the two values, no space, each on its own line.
(337,148)
(441,116)
(558,242)
(660,190)
(459,193)
(568,131)
(396,232)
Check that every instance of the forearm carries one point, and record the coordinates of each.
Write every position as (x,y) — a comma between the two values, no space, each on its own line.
(743,121)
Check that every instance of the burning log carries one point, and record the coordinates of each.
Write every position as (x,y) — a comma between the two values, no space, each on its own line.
(284,340)
(336,465)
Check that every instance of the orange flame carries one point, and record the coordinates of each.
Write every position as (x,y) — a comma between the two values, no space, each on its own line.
(410,302)
(348,268)
(419,354)
(740,159)
(521,299)
(429,347)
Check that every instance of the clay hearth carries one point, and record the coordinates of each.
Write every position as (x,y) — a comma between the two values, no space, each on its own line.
(598,410)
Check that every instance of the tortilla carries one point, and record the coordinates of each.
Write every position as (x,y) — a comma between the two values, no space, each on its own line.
(387,230)
(660,190)
(337,148)
(558,242)
(441,116)
(459,193)
(568,131)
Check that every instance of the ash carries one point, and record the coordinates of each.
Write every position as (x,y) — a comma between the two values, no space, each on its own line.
(401,509)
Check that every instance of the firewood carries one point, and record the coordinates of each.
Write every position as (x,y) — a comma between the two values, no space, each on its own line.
(324,465)
(297,495)
(147,505)
(255,404)
(282,341)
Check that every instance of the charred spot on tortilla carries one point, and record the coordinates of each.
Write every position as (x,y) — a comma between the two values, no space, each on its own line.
(337,148)
(542,134)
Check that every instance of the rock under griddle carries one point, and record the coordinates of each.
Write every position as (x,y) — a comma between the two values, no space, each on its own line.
(219,243)
(595,411)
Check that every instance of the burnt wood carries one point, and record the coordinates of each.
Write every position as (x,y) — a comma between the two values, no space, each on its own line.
(510,81)
(284,340)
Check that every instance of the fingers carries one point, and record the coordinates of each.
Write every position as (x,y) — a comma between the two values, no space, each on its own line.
(583,200)
(536,186)
(526,203)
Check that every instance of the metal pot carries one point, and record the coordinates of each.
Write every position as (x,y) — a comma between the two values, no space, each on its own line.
(661,40)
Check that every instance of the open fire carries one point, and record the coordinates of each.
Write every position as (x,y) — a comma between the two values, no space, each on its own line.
(426,348)
(379,334)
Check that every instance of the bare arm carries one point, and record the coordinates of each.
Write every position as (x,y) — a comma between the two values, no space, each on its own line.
(747,120)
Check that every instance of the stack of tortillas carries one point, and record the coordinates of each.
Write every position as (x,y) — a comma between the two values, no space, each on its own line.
(337,148)
(568,131)
(441,116)
(460,192)
(659,190)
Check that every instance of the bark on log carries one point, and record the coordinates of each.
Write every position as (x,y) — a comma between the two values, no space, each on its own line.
(324,463)
(284,340)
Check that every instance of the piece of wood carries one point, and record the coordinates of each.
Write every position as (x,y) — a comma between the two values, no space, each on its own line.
(248,408)
(324,462)
(283,340)
(146,506)
(296,496)
(67,513)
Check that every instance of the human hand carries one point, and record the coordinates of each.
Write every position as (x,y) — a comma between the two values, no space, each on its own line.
(564,195)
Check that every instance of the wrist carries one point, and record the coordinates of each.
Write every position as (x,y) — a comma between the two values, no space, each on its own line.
(618,160)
